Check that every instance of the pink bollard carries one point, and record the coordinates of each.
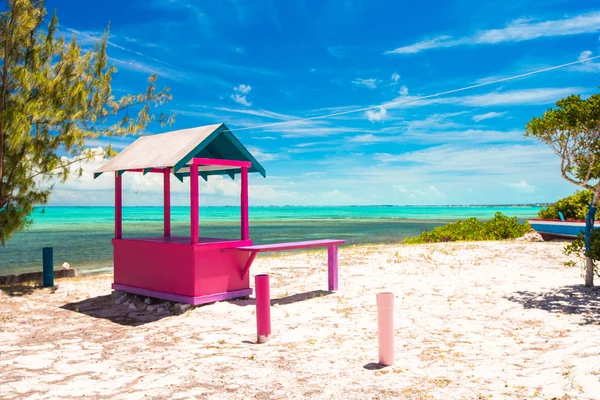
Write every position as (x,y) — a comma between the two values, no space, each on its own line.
(263,308)
(385,326)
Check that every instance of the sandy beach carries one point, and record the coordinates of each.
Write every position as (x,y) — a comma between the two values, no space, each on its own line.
(473,321)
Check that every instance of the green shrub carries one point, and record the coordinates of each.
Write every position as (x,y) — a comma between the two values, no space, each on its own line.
(498,228)
(573,207)
(577,248)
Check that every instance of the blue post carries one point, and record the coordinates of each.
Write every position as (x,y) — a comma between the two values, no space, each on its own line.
(48,272)
(589,225)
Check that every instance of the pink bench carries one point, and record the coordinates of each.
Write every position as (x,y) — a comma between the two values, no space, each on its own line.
(332,246)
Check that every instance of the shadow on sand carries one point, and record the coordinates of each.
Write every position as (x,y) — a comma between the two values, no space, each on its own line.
(124,314)
(19,290)
(285,300)
(575,299)
(104,307)
(374,366)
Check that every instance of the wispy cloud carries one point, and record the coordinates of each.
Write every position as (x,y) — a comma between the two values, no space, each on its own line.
(429,191)
(521,186)
(533,96)
(91,38)
(115,143)
(262,155)
(403,91)
(240,93)
(257,113)
(370,83)
(369,138)
(395,77)
(464,136)
(587,66)
(490,160)
(338,51)
(376,116)
(489,115)
(516,31)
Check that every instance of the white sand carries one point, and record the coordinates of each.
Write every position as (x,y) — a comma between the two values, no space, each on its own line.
(474,321)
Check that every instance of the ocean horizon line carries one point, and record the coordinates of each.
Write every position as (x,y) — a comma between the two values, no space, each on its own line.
(319,206)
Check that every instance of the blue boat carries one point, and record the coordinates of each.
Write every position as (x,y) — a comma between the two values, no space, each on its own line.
(556,228)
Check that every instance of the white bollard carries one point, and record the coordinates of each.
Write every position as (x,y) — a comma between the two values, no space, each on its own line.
(385,326)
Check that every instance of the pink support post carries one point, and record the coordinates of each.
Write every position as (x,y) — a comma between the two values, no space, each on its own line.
(194,203)
(332,267)
(118,206)
(263,308)
(385,326)
(167,202)
(244,205)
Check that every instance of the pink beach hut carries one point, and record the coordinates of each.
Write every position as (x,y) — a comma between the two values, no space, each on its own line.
(192,269)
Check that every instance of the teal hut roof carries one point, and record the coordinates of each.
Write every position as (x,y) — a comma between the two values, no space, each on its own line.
(176,149)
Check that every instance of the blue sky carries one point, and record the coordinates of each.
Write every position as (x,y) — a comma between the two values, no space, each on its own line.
(250,63)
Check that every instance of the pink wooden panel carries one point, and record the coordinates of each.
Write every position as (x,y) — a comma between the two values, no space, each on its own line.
(194,200)
(332,268)
(204,243)
(245,228)
(221,162)
(263,308)
(167,202)
(166,268)
(194,300)
(118,206)
(292,245)
(152,170)
(217,271)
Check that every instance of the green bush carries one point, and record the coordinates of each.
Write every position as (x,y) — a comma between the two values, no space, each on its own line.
(498,228)
(577,248)
(573,207)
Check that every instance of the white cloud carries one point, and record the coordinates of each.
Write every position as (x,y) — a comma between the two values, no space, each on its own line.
(395,77)
(337,51)
(115,143)
(439,41)
(369,138)
(586,66)
(400,188)
(314,173)
(426,136)
(584,55)
(481,117)
(515,97)
(516,31)
(147,189)
(521,186)
(375,116)
(257,113)
(430,191)
(240,93)
(403,91)
(487,160)
(261,155)
(370,83)
(534,96)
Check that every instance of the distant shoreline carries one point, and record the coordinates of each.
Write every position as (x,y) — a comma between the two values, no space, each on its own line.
(322,206)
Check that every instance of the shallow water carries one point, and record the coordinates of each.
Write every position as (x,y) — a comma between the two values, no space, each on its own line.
(81,235)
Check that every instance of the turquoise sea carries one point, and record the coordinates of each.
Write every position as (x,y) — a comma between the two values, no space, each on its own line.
(81,235)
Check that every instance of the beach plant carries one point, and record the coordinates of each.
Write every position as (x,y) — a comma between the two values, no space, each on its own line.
(498,228)
(572,131)
(55,96)
(574,206)
(577,249)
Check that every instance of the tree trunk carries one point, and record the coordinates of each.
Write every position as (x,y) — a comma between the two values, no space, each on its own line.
(589,225)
